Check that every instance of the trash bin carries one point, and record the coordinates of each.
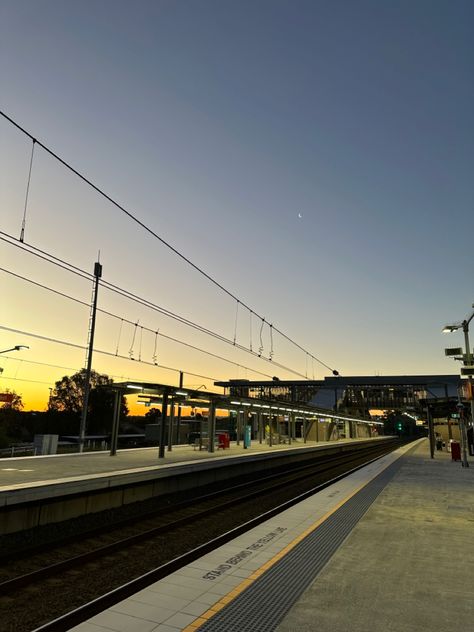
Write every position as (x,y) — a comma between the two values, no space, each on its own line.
(455,451)
(247,436)
(223,440)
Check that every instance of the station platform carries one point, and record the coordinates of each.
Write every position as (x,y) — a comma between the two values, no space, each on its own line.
(38,491)
(387,548)
(24,477)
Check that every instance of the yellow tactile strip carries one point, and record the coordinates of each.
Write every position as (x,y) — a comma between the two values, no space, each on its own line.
(230,596)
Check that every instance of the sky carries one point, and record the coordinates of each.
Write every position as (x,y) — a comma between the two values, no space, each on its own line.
(315,158)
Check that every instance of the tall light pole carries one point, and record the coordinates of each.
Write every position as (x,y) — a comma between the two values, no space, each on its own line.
(467,361)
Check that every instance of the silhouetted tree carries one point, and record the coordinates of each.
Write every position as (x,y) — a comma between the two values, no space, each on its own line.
(15,404)
(68,394)
(153,416)
(10,420)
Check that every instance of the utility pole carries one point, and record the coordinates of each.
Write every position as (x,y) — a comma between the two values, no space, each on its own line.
(90,347)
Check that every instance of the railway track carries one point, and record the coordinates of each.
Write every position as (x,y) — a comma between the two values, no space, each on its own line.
(101,570)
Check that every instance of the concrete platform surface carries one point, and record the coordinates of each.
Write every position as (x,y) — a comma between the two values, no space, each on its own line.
(191,596)
(28,470)
(408,565)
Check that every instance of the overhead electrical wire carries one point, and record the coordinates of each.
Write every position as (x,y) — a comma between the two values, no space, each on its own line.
(125,320)
(150,231)
(141,301)
(101,351)
(54,366)
(21,379)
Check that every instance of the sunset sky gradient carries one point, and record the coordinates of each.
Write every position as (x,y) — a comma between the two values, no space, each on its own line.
(218,123)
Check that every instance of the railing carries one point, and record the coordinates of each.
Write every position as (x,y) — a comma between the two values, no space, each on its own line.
(18,450)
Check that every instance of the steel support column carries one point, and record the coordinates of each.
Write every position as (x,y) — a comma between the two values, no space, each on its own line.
(211,427)
(170,426)
(115,422)
(164,418)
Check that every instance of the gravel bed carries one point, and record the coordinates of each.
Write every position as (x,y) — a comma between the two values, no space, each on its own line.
(35,605)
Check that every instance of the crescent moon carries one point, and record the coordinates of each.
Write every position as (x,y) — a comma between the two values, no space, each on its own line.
(299,215)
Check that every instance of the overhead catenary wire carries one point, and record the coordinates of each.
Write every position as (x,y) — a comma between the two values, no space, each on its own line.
(107,285)
(150,231)
(131,296)
(21,379)
(139,300)
(55,366)
(122,320)
(101,351)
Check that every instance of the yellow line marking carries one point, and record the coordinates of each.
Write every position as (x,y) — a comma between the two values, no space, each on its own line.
(250,580)
(230,596)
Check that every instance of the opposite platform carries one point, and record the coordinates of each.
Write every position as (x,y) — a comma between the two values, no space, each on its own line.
(39,491)
(406,565)
(33,472)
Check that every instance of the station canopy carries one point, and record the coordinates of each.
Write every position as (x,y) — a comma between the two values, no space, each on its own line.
(153,393)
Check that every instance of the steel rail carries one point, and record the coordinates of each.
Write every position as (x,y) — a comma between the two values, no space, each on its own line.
(327,463)
(323,461)
(88,610)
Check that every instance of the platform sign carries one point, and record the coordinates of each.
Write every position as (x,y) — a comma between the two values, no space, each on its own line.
(6,397)
(467,370)
(453,351)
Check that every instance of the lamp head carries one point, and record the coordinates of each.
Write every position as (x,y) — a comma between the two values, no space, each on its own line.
(448,329)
